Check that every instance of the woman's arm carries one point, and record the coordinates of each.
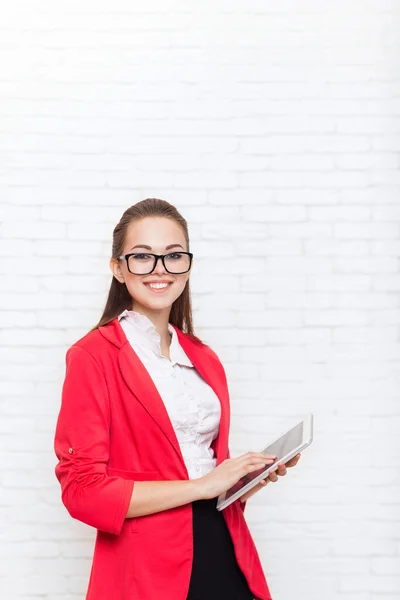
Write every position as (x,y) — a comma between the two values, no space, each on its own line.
(81,444)
(154,496)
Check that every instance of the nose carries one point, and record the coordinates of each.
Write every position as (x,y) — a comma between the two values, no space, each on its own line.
(159,267)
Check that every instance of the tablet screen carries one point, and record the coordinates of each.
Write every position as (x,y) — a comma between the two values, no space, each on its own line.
(292,439)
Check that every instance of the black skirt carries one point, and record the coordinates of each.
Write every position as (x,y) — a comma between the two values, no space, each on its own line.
(216,574)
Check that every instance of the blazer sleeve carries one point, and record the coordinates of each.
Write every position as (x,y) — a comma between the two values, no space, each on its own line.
(81,444)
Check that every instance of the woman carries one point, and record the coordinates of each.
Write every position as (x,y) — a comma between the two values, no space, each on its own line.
(142,433)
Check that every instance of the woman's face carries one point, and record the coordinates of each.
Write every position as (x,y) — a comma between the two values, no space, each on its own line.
(157,235)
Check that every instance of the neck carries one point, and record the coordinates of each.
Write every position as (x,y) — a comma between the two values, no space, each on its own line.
(160,320)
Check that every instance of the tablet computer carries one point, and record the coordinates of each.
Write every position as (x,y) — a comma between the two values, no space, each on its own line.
(284,448)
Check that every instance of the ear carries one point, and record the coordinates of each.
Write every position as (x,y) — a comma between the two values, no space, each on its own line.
(116,270)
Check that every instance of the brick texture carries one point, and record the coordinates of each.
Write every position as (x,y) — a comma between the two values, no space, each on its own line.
(274,127)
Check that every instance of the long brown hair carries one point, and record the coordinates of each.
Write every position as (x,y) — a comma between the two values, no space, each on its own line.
(119,297)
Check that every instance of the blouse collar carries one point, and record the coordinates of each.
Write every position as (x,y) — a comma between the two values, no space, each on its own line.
(145,334)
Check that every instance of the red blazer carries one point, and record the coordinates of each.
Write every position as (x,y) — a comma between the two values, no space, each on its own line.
(112,430)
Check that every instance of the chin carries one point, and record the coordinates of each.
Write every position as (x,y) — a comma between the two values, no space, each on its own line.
(156,304)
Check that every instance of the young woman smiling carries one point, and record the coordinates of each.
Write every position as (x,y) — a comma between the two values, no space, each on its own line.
(142,433)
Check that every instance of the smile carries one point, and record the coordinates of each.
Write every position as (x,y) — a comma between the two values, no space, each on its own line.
(158,286)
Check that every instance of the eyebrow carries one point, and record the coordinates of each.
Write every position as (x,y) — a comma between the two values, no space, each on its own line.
(149,247)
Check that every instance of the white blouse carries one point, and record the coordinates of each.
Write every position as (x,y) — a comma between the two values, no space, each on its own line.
(192,405)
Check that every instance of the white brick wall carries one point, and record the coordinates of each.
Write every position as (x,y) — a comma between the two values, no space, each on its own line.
(275,128)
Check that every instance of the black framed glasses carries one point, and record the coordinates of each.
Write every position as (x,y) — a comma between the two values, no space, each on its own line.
(143,263)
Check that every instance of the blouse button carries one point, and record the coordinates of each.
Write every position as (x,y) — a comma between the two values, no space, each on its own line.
(71,450)
(192,432)
(197,468)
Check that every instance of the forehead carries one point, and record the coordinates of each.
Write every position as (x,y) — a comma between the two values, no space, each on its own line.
(157,232)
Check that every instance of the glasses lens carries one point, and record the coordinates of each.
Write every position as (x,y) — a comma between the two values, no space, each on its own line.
(140,264)
(176,262)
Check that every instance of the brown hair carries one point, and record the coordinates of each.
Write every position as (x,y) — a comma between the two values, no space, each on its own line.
(119,297)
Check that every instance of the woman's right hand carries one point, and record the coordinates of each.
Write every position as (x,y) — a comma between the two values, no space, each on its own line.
(225,475)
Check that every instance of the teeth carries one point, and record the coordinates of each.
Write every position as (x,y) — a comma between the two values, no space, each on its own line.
(158,285)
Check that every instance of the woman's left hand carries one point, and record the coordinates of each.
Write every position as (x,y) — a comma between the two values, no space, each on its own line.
(280,470)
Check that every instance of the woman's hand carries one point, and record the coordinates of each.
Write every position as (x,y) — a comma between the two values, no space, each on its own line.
(273,476)
(229,472)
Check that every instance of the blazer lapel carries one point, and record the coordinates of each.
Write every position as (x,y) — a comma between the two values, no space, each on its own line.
(142,386)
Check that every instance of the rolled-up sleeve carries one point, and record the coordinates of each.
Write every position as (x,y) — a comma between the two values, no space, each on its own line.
(81,444)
